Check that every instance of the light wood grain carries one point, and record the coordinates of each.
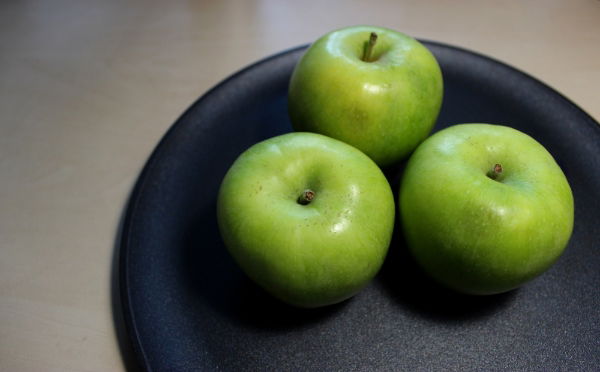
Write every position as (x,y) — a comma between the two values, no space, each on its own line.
(87,88)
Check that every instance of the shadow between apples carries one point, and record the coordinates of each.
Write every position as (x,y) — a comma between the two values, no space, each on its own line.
(403,279)
(214,277)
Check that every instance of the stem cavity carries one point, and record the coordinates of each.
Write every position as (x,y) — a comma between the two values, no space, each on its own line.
(369,47)
(495,172)
(306,197)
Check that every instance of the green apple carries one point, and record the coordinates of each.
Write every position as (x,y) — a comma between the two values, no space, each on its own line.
(307,217)
(374,88)
(484,208)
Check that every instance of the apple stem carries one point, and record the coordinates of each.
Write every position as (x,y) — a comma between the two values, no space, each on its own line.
(369,47)
(495,172)
(306,197)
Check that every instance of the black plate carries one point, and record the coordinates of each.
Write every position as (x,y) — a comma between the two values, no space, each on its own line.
(187,306)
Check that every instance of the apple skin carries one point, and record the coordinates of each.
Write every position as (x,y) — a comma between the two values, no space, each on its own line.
(306,255)
(475,234)
(385,107)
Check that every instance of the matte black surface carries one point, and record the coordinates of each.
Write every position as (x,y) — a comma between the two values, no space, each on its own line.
(188,307)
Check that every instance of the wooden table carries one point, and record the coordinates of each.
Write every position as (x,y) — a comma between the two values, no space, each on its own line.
(87,89)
